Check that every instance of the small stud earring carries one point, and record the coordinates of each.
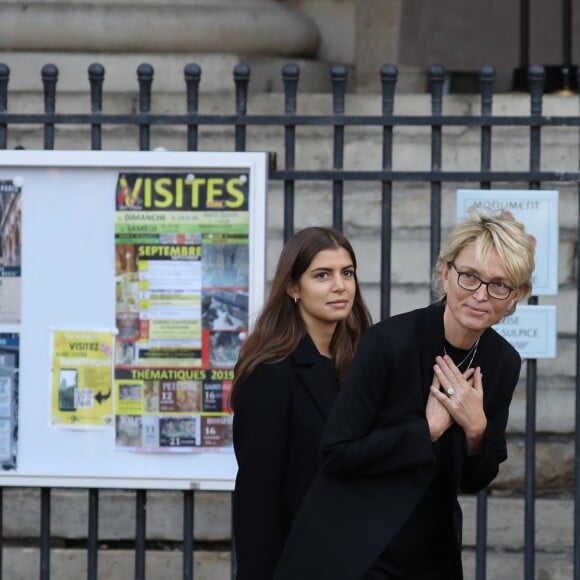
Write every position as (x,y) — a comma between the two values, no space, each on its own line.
(295,299)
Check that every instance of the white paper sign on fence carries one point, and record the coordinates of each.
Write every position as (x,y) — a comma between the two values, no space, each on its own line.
(531,330)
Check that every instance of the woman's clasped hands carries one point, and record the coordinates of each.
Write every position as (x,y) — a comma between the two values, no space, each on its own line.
(456,397)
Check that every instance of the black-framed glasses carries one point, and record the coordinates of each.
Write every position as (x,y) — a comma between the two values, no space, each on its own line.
(471,282)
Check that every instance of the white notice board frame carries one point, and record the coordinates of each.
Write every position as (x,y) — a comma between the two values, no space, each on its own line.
(68,280)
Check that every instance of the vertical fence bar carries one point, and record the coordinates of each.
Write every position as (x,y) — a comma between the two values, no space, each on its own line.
(188,531)
(192,74)
(4,78)
(566,44)
(338,78)
(486,79)
(576,564)
(524,33)
(536,83)
(241,80)
(233,556)
(290,77)
(93,535)
(389,75)
(145,79)
(96,79)
(436,79)
(49,79)
(45,533)
(140,533)
(1,531)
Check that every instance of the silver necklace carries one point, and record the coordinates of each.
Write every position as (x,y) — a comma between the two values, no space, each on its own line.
(472,352)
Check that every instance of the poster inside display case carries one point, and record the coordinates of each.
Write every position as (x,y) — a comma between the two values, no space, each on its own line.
(141,273)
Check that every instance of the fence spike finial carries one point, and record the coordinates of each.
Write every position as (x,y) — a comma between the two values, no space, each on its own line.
(192,75)
(242,80)
(389,75)
(436,82)
(49,74)
(338,79)
(290,78)
(486,84)
(96,78)
(536,81)
(4,78)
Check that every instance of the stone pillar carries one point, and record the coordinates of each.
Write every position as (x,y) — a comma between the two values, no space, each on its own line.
(168,34)
(364,35)
(378,24)
(258,27)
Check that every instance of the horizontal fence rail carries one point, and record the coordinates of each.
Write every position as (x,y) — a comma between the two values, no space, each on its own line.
(284,170)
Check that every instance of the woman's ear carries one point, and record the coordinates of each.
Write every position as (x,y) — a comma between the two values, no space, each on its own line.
(516,297)
(292,291)
(513,302)
(511,308)
(445,276)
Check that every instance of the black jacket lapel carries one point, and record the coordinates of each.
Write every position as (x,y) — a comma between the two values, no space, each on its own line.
(311,370)
(433,334)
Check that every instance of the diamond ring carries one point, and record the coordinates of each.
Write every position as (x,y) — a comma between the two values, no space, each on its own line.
(450,391)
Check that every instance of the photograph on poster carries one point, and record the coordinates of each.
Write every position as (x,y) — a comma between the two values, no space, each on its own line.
(179,432)
(225,265)
(225,309)
(224,348)
(216,394)
(217,431)
(9,398)
(10,250)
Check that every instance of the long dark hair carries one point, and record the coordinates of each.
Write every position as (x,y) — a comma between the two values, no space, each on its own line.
(279,327)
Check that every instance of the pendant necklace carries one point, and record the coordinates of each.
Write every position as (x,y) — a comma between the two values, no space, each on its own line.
(470,353)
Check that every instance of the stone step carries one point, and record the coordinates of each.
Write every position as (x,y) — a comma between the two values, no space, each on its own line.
(510,566)
(505,536)
(71,564)
(24,563)
(554,516)
(554,530)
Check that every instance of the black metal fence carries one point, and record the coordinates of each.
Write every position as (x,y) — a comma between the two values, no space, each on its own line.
(288,175)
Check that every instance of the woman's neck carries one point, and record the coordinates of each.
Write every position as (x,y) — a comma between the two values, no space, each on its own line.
(457,336)
(463,343)
(321,336)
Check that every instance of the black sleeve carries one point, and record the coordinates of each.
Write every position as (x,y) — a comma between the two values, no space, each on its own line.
(481,469)
(353,442)
(260,439)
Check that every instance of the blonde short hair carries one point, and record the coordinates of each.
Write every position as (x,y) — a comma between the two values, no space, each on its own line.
(487,232)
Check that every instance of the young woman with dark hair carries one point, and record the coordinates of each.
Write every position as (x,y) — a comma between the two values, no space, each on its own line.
(286,379)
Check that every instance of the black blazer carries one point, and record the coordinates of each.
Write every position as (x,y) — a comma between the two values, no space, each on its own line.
(378,458)
(279,415)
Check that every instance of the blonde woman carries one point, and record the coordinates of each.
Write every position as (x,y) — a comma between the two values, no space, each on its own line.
(421,415)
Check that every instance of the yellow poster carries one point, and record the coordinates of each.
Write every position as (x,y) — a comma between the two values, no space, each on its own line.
(82,378)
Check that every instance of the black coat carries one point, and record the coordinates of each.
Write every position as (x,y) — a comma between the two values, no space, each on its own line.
(279,416)
(378,458)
